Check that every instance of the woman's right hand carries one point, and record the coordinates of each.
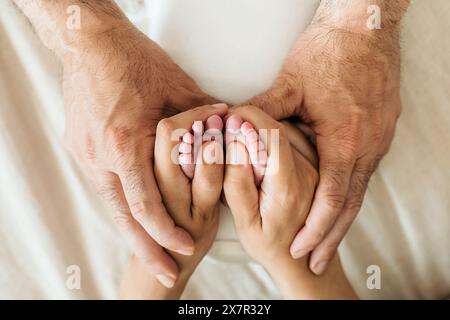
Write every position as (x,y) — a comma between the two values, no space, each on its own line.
(268,217)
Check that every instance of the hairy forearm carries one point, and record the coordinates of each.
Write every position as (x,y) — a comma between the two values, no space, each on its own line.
(353,15)
(50,18)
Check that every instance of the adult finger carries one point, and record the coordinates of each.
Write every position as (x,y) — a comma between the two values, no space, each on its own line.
(273,134)
(146,206)
(183,98)
(239,181)
(184,120)
(153,257)
(325,251)
(208,180)
(335,169)
(173,184)
(282,100)
(170,130)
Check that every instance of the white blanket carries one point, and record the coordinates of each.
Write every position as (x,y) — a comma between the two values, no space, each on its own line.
(50,218)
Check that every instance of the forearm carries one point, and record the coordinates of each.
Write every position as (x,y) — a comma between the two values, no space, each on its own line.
(353,15)
(50,19)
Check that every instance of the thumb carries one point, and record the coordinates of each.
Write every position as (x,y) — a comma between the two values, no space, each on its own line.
(282,100)
(239,186)
(184,99)
(208,179)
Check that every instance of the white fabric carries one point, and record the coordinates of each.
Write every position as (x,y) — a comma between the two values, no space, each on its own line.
(50,218)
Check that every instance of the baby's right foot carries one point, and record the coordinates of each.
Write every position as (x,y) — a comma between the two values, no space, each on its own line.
(245,133)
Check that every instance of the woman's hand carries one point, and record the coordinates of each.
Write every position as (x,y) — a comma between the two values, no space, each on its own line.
(193,204)
(267,218)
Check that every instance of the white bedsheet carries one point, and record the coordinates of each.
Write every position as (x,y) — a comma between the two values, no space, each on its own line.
(50,218)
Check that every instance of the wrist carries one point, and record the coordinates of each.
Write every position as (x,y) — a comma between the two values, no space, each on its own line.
(139,283)
(297,282)
(96,33)
(367,17)
(287,273)
(66,25)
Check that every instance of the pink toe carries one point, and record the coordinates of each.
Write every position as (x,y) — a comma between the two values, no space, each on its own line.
(188,138)
(214,122)
(247,127)
(197,127)
(185,147)
(185,158)
(256,146)
(234,122)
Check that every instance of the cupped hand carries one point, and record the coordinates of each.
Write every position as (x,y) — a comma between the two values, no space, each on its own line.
(192,202)
(345,86)
(115,92)
(267,216)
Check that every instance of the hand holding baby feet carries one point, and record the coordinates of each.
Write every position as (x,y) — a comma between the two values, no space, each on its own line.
(193,141)
(189,174)
(268,216)
(274,209)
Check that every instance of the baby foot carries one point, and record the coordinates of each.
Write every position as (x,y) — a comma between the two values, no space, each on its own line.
(244,132)
(192,142)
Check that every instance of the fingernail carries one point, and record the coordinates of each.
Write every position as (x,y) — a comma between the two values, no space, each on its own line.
(320,267)
(165,280)
(220,105)
(300,253)
(185,251)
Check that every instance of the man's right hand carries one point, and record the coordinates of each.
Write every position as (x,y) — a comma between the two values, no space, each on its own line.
(117,85)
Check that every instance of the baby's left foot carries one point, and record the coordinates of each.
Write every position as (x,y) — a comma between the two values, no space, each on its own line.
(192,141)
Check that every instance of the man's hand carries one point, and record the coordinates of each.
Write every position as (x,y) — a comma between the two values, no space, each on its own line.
(343,80)
(117,85)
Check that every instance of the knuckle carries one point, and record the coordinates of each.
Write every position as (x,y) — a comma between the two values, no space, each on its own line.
(123,222)
(316,233)
(110,195)
(139,209)
(357,117)
(147,260)
(90,153)
(342,157)
(377,160)
(352,208)
(234,185)
(378,135)
(165,237)
(335,201)
(211,182)
(131,175)
(205,215)
(335,176)
(165,127)
(330,248)
(360,181)
(119,140)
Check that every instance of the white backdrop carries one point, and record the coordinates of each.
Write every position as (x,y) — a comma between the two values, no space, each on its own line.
(50,218)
